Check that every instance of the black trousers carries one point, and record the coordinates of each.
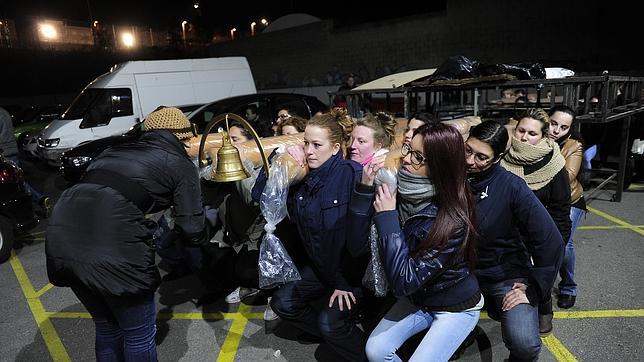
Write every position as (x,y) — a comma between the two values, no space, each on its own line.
(224,269)
(293,302)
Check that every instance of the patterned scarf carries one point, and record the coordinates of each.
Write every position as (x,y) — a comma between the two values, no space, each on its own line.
(523,154)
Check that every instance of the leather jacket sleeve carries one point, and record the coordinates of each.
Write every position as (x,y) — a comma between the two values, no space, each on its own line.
(407,274)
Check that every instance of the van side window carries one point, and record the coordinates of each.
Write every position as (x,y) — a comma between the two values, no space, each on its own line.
(106,104)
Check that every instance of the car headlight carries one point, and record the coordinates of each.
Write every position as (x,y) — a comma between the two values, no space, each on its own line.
(79,160)
(52,142)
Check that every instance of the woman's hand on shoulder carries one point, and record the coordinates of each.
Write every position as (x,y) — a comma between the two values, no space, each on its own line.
(385,199)
(297,152)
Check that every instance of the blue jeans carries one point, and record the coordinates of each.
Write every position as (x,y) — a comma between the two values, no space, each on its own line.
(125,326)
(519,325)
(446,332)
(567,284)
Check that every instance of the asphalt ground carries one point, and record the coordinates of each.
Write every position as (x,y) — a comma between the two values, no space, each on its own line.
(41,322)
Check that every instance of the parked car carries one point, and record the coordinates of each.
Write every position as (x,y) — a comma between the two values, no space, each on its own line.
(16,210)
(75,161)
(32,120)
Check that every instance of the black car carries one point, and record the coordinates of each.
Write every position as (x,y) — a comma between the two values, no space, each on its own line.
(75,161)
(16,209)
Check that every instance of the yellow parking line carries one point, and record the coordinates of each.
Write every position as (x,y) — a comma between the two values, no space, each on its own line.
(44,290)
(615,220)
(170,316)
(606,227)
(52,340)
(583,314)
(558,350)
(235,332)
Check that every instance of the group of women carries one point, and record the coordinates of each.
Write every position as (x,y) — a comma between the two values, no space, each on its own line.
(474,223)
(469,224)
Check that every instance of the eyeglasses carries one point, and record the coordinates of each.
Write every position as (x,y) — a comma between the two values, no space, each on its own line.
(284,116)
(479,158)
(416,158)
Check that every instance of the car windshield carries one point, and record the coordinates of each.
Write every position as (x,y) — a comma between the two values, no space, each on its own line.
(82,103)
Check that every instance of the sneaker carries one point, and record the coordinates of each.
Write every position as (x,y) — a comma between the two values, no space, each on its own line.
(545,323)
(269,315)
(240,293)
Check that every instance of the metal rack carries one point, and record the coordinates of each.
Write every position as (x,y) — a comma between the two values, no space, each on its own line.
(618,98)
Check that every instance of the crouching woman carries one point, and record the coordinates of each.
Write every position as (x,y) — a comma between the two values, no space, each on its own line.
(427,259)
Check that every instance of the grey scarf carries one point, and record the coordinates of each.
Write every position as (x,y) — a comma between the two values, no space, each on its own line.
(415,193)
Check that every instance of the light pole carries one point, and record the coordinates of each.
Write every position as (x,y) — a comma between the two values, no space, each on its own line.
(232,33)
(183,32)
(252,28)
(264,22)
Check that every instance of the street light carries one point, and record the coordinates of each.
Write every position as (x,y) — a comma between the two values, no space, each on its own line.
(232,33)
(183,32)
(264,22)
(128,39)
(48,31)
(252,28)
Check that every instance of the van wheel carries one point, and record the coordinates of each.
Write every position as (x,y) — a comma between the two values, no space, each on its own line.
(6,238)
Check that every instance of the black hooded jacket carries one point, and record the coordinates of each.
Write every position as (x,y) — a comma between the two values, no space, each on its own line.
(99,239)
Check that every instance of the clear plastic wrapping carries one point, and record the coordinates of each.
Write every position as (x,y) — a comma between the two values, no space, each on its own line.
(375,278)
(275,265)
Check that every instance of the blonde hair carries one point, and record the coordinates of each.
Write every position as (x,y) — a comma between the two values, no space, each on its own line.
(383,126)
(337,122)
(537,114)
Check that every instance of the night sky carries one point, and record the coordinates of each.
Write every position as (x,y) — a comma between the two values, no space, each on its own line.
(169,13)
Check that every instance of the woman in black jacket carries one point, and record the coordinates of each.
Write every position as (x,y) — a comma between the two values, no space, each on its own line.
(537,159)
(100,243)
(428,257)
(519,248)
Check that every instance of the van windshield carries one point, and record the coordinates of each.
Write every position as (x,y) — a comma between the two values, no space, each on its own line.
(81,104)
(112,102)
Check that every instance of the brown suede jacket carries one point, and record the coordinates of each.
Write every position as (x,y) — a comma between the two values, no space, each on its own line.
(572,150)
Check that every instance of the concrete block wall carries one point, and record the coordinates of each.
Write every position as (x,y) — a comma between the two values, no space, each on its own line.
(574,34)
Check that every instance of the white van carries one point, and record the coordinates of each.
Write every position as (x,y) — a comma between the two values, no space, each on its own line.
(117,100)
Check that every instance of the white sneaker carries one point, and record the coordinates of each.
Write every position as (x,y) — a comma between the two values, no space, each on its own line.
(269,315)
(240,293)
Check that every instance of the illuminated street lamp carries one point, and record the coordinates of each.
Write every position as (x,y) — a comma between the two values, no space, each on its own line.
(252,28)
(95,23)
(264,22)
(183,32)
(128,39)
(196,5)
(48,31)
(232,33)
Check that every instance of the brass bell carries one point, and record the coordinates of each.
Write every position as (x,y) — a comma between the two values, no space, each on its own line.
(229,163)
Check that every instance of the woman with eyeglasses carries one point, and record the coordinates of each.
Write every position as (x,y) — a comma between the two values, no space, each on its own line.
(282,115)
(537,160)
(426,239)
(519,247)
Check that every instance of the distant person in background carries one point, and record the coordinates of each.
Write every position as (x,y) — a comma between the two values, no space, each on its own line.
(9,149)
(282,115)
(416,121)
(348,84)
(292,125)
(251,113)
